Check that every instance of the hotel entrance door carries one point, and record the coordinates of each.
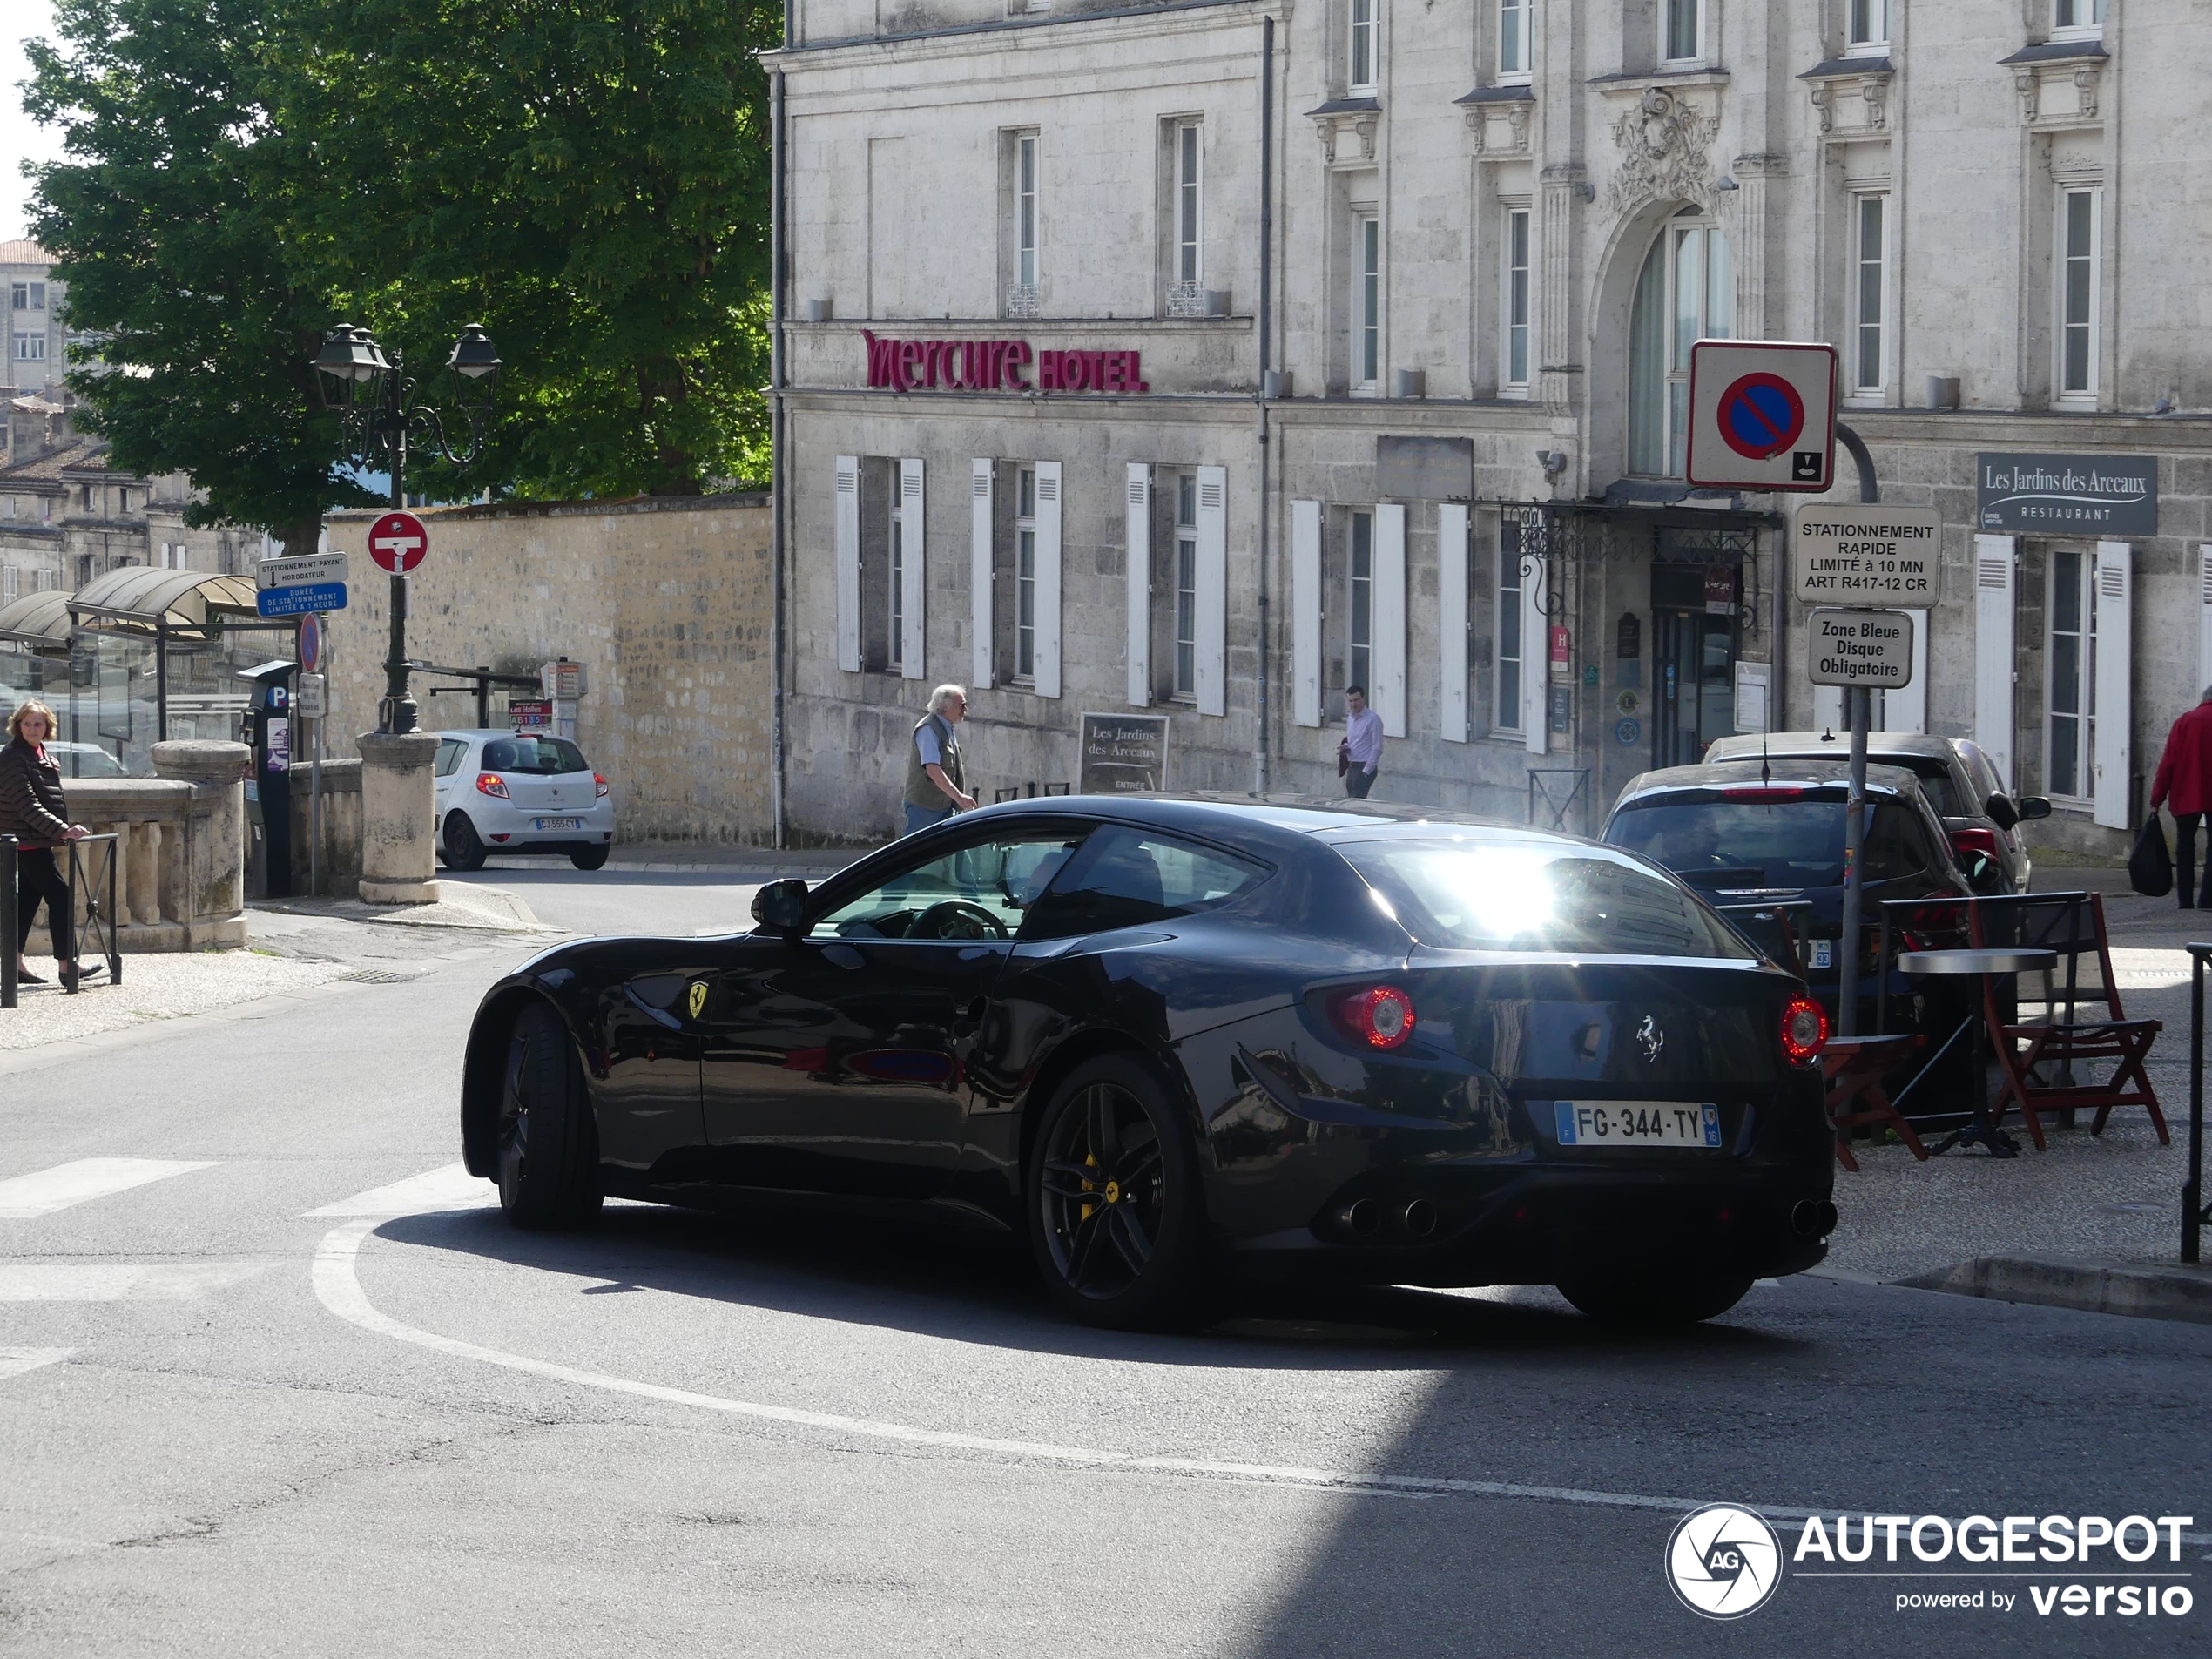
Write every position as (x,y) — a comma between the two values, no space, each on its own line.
(1695,662)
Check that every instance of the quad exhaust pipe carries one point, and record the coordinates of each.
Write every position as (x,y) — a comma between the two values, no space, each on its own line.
(1813,1217)
(1363,1218)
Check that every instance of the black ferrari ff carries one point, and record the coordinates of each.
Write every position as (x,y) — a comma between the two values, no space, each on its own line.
(1163,1038)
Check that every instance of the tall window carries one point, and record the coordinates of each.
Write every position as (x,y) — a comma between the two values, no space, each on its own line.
(30,349)
(2077,17)
(1361,638)
(1366,299)
(1514,310)
(29,296)
(1025,210)
(1869,24)
(2072,660)
(1359,75)
(1186,584)
(1025,574)
(896,652)
(1187,202)
(1686,293)
(1683,30)
(1513,19)
(1506,715)
(2078,241)
(1869,266)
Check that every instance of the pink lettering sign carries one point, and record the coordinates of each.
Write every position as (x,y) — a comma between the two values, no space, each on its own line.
(997,365)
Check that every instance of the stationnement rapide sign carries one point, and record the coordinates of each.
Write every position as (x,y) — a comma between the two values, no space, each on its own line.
(998,366)
(1861,648)
(1866,555)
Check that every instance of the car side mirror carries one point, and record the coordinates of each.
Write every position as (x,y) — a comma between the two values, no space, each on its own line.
(1982,873)
(2000,812)
(2034,806)
(780,907)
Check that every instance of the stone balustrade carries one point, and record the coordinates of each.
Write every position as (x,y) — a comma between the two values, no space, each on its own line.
(180,848)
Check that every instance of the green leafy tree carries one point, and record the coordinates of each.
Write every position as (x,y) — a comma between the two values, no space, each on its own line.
(165,220)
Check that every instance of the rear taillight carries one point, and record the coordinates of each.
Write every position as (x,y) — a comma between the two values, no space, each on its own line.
(1804,1028)
(1976,841)
(490,783)
(598,786)
(1380,1016)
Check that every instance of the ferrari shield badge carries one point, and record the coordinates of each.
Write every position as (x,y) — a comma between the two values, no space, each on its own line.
(699,996)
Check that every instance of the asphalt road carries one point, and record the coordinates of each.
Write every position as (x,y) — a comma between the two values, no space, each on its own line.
(228,1424)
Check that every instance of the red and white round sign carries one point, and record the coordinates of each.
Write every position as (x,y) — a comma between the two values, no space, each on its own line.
(397,542)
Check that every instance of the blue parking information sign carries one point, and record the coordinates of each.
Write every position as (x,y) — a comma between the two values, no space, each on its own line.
(302,602)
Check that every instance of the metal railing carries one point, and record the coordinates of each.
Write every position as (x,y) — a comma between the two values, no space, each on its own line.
(2195,1212)
(1558,805)
(91,879)
(1026,792)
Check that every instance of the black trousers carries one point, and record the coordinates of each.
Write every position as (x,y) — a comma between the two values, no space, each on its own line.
(1359,781)
(38,878)
(2185,864)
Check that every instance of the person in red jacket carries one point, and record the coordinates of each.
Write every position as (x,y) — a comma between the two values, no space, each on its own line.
(2184,785)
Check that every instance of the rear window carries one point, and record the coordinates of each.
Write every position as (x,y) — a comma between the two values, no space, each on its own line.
(1939,783)
(1792,843)
(542,756)
(1538,897)
(449,752)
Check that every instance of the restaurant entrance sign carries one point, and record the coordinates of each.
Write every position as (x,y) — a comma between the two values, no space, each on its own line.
(2047,495)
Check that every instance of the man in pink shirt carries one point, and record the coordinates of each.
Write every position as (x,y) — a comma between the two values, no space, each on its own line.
(1363,742)
(2185,779)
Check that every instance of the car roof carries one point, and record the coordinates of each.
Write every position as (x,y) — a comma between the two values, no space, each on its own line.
(1832,742)
(491,732)
(1777,769)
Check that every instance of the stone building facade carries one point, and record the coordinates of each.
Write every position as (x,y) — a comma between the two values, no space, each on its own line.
(1202,358)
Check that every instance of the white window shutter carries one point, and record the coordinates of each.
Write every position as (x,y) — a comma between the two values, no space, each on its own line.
(1139,574)
(1047,659)
(1305,612)
(914,571)
(2204,619)
(1535,655)
(1389,689)
(1994,579)
(1906,709)
(1212,687)
(1828,708)
(1451,619)
(848,563)
(980,572)
(2111,766)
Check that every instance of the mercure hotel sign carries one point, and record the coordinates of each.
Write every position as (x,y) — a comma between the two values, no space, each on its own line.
(997,366)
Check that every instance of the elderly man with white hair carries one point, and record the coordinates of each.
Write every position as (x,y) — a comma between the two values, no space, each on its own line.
(936,772)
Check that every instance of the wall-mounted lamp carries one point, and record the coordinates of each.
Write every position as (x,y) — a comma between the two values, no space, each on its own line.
(1553,462)
(1586,189)
(1726,183)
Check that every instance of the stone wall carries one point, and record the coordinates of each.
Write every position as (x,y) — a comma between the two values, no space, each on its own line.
(664,602)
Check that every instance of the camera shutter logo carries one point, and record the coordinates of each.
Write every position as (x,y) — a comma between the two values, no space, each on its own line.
(1724,1561)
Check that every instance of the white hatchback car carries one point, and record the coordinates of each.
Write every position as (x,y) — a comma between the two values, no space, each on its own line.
(519,792)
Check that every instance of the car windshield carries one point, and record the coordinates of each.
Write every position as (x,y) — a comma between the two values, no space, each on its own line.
(542,756)
(1538,896)
(1785,843)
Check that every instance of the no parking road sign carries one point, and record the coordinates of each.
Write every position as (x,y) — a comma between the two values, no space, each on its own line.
(397,542)
(1761,414)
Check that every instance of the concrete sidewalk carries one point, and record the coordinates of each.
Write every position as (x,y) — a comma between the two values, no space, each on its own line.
(739,863)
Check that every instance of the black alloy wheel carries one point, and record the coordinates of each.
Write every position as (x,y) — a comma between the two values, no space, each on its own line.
(1635,1299)
(464,849)
(589,858)
(1117,1221)
(549,1146)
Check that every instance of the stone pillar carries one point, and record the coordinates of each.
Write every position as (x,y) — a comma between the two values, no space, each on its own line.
(399,818)
(212,903)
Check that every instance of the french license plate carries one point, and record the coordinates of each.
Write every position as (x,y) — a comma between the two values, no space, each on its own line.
(1824,953)
(1636,1123)
(559,823)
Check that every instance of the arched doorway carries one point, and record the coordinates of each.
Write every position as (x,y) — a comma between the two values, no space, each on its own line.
(1685,293)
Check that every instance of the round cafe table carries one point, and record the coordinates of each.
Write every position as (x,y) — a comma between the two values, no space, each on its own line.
(1983,964)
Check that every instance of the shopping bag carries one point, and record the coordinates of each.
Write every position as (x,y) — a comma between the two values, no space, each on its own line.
(2150,866)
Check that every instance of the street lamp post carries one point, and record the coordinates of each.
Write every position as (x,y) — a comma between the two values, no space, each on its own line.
(370,393)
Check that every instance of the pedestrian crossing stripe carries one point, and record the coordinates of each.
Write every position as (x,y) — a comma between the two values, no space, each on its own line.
(27,1197)
(119,1281)
(14,1361)
(449,1187)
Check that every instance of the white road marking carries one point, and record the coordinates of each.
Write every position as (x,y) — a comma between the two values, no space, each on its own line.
(14,1361)
(119,1281)
(450,1188)
(29,1195)
(339,1288)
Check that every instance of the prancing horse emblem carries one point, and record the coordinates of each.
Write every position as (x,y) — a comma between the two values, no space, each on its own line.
(698,997)
(1650,1039)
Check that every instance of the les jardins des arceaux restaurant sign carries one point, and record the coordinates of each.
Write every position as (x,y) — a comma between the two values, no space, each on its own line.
(2057,495)
(997,366)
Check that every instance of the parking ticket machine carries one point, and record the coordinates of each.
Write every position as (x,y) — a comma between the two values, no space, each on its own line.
(268,789)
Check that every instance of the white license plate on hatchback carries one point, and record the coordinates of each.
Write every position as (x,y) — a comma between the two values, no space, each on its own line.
(1636,1123)
(559,823)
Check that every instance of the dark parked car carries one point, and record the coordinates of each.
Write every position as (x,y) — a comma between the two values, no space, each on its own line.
(1161,1036)
(1978,816)
(1771,832)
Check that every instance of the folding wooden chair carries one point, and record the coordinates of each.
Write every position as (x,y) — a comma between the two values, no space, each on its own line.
(1853,1069)
(2042,1061)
